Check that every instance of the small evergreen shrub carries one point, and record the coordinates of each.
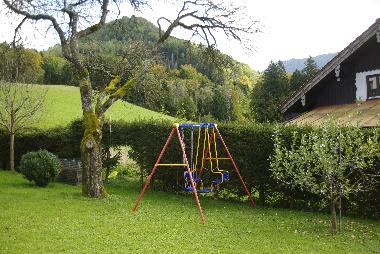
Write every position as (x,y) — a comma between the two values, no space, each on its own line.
(40,167)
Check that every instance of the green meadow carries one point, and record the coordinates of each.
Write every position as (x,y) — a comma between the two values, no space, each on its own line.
(57,219)
(63,105)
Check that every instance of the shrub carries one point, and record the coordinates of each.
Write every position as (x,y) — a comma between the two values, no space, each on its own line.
(40,167)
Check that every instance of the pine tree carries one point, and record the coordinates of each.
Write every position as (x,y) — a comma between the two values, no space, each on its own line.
(300,77)
(267,95)
(297,79)
(311,68)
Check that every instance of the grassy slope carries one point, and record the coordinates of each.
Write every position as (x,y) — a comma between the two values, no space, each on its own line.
(63,105)
(58,219)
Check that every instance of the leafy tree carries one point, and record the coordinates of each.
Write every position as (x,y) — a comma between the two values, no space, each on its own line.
(19,64)
(20,106)
(204,97)
(329,162)
(74,20)
(297,80)
(53,66)
(269,92)
(57,70)
(151,93)
(189,94)
(222,103)
(238,104)
(244,83)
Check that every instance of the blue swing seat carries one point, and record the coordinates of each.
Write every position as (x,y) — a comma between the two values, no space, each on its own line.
(186,175)
(226,177)
(204,190)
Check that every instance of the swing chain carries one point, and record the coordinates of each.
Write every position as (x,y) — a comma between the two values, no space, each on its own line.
(183,142)
(192,149)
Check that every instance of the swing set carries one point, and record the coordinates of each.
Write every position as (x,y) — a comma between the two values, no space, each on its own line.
(193,170)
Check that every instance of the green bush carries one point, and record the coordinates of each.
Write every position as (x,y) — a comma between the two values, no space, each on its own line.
(40,167)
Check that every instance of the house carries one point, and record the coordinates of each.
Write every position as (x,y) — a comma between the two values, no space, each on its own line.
(347,87)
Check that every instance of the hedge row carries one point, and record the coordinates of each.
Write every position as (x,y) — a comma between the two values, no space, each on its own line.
(63,141)
(250,145)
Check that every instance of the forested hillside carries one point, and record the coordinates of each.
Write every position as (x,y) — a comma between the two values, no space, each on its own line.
(186,80)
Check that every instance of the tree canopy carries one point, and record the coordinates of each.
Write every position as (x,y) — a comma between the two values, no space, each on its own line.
(19,64)
(269,92)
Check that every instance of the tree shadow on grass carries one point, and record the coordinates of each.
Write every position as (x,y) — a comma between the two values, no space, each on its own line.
(20,185)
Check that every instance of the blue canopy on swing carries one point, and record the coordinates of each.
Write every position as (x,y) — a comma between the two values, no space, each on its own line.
(197,125)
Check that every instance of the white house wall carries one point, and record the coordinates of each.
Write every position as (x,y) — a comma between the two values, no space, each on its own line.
(361,84)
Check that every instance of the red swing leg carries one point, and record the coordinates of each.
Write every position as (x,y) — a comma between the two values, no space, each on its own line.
(191,177)
(236,169)
(153,170)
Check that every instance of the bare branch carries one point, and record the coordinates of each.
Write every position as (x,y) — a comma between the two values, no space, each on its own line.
(17,30)
(37,17)
(20,105)
(100,24)
(205,18)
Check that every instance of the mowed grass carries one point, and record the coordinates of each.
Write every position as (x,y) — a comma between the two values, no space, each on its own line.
(57,219)
(63,105)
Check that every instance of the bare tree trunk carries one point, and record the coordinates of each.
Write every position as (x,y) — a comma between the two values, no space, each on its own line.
(91,153)
(333,215)
(12,151)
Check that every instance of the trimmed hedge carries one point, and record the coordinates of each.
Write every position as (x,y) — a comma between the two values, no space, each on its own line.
(62,141)
(251,146)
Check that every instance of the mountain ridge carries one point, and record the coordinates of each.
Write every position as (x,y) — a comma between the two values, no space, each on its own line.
(293,64)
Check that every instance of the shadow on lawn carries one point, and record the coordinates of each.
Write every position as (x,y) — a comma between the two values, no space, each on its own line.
(20,185)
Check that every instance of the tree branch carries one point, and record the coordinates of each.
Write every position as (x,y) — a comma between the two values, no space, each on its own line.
(99,25)
(37,17)
(205,24)
(116,95)
(16,31)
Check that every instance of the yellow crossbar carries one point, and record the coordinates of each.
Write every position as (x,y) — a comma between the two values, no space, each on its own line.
(171,165)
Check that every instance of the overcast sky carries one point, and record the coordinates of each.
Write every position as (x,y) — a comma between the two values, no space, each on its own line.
(291,28)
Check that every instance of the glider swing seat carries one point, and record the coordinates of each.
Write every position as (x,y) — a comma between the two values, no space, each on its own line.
(193,172)
(208,142)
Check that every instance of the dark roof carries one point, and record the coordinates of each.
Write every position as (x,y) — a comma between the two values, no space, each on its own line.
(330,66)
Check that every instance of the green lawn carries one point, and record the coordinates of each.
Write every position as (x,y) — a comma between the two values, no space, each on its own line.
(63,106)
(58,219)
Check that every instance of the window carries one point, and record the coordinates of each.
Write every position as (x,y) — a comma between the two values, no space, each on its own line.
(373,85)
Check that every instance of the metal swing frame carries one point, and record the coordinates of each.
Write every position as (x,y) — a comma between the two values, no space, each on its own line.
(186,164)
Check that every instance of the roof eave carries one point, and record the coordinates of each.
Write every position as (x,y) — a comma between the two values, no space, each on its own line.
(329,67)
